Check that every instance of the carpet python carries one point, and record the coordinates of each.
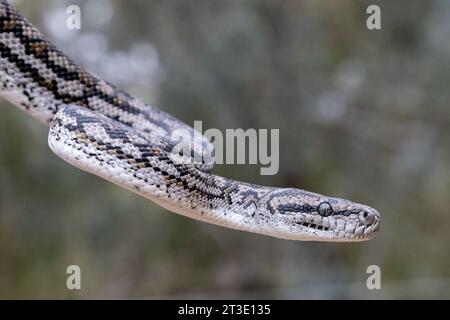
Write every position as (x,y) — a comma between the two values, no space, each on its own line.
(103,130)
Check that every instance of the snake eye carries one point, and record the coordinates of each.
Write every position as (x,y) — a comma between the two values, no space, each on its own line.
(325,209)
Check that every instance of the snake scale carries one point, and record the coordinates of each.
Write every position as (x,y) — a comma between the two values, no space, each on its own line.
(101,129)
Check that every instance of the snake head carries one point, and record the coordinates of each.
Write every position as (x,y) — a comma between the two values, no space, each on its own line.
(311,216)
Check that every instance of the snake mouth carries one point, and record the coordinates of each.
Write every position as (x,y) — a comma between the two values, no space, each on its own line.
(313,226)
(358,232)
(358,226)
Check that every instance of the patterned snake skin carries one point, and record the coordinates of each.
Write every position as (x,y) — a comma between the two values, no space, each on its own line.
(105,131)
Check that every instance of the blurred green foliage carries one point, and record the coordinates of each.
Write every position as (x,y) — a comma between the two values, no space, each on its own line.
(362,115)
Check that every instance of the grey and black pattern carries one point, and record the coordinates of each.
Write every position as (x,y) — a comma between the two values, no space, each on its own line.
(105,131)
(40,79)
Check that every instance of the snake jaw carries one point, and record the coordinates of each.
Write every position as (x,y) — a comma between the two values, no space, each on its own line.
(332,229)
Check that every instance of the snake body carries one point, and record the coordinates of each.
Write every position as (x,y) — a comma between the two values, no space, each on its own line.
(103,130)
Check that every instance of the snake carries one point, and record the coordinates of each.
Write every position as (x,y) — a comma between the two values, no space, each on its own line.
(103,130)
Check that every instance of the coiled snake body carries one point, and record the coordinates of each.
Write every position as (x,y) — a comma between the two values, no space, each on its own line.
(105,131)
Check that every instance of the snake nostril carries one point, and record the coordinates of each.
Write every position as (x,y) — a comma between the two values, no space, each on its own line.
(367,218)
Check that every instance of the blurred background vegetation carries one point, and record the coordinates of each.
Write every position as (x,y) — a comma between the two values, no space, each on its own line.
(362,114)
